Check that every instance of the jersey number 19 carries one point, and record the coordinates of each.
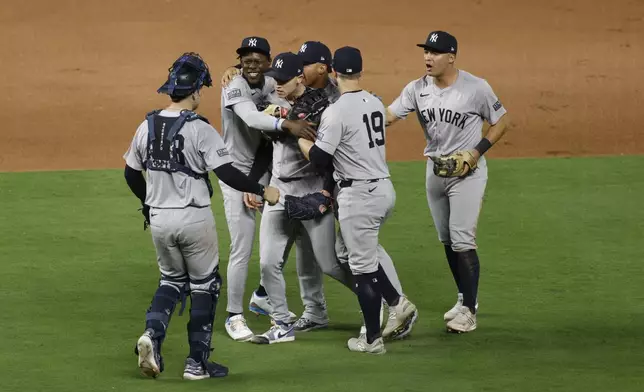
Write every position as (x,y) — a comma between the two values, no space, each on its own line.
(374,123)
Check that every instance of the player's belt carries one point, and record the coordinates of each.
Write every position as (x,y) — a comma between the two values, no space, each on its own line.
(348,183)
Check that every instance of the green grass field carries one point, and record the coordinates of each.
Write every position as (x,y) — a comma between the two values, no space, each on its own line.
(561,298)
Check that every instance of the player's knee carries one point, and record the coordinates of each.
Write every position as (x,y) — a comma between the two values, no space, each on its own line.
(210,284)
(270,265)
(463,246)
(462,240)
(176,283)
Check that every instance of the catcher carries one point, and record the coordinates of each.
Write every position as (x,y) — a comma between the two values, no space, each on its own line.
(293,175)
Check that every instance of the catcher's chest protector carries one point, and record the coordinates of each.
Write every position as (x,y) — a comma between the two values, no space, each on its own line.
(165,144)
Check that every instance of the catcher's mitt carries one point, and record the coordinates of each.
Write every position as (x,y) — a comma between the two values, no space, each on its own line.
(454,165)
(309,106)
(309,206)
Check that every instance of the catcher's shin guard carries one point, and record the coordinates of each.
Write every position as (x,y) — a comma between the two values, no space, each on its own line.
(203,297)
(163,303)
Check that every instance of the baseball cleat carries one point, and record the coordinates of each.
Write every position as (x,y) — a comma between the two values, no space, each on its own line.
(261,306)
(238,329)
(195,370)
(465,321)
(150,361)
(399,316)
(305,325)
(278,333)
(360,345)
(455,310)
(405,330)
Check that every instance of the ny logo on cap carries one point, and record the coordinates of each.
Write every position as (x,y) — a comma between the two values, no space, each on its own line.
(303,48)
(279,63)
(252,42)
(433,38)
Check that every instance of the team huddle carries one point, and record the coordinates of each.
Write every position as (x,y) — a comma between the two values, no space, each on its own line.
(303,143)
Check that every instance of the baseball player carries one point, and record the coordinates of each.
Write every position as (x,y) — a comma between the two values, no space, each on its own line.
(317,64)
(351,139)
(317,70)
(178,148)
(242,127)
(293,175)
(451,105)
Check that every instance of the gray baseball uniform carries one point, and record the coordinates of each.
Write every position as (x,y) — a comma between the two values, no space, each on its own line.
(181,221)
(242,141)
(310,275)
(293,175)
(353,131)
(452,120)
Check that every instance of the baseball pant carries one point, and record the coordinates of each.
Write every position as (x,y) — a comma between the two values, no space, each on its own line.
(241,226)
(455,204)
(277,235)
(362,209)
(185,240)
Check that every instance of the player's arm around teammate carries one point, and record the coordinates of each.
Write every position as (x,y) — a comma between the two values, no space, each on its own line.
(451,105)
(243,127)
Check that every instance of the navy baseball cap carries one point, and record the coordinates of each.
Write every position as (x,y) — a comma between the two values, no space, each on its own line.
(441,42)
(254,44)
(313,52)
(347,60)
(286,66)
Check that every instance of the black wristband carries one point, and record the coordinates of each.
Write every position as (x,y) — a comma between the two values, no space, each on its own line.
(262,189)
(483,146)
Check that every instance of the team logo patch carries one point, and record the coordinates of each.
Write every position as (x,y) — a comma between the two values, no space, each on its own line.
(234,93)
(497,106)
(320,135)
(222,152)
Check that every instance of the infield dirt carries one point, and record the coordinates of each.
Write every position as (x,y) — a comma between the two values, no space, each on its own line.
(79,76)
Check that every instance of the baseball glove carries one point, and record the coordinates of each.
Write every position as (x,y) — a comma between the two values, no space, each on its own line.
(454,165)
(309,206)
(276,111)
(309,106)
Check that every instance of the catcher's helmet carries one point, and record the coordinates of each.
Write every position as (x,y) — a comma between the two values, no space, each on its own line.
(188,74)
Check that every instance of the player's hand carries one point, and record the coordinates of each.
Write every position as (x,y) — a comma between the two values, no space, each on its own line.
(323,207)
(471,161)
(271,195)
(228,75)
(300,128)
(145,210)
(251,201)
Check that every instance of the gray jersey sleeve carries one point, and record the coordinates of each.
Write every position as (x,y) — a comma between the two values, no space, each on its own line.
(491,108)
(211,146)
(248,112)
(237,91)
(405,103)
(135,155)
(329,132)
